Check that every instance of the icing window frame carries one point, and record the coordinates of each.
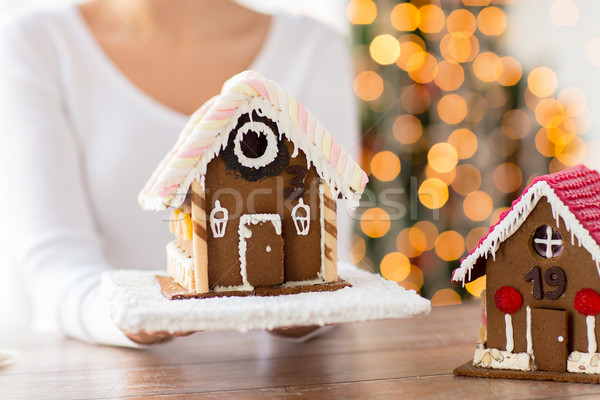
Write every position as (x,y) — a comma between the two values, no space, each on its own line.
(547,242)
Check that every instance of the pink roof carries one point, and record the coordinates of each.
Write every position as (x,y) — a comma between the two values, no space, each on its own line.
(577,188)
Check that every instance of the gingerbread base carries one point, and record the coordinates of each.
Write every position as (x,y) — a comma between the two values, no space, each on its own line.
(174,291)
(468,369)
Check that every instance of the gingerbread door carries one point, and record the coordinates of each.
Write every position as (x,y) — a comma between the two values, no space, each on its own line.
(549,338)
(261,249)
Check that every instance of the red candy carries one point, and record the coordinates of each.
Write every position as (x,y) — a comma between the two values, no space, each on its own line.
(508,299)
(587,302)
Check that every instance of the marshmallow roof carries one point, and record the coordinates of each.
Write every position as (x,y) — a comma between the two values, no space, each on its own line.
(207,132)
(573,194)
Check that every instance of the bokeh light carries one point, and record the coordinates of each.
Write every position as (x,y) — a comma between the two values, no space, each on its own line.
(405,17)
(449,76)
(415,99)
(375,222)
(474,235)
(433,193)
(361,12)
(414,280)
(477,205)
(461,21)
(384,49)
(446,177)
(358,249)
(515,124)
(427,70)
(404,244)
(549,113)
(395,266)
(542,81)
(445,297)
(468,179)
(464,141)
(491,21)
(564,13)
(476,287)
(511,71)
(412,52)
(459,47)
(573,100)
(487,67)
(407,129)
(432,18)
(429,230)
(508,177)
(449,246)
(385,166)
(442,157)
(495,217)
(592,51)
(452,109)
(368,85)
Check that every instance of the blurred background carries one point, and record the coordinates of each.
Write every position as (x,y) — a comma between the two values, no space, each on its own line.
(462,103)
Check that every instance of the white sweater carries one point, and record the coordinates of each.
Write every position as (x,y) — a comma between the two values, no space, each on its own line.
(78,140)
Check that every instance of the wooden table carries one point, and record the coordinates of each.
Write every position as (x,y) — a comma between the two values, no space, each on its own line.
(396,359)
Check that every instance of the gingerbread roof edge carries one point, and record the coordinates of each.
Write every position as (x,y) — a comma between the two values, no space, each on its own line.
(574,196)
(207,131)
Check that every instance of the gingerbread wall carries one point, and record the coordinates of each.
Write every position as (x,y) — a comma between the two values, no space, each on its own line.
(302,254)
(514,258)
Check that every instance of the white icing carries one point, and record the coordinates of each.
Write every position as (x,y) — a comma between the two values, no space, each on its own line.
(218,225)
(268,249)
(270,153)
(515,218)
(590,320)
(561,339)
(301,222)
(245,233)
(339,182)
(510,344)
(500,359)
(583,363)
(528,332)
(548,241)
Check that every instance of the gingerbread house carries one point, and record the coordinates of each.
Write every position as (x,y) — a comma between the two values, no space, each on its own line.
(542,267)
(253,181)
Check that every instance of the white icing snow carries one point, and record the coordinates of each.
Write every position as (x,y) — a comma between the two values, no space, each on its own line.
(590,321)
(510,343)
(515,218)
(137,304)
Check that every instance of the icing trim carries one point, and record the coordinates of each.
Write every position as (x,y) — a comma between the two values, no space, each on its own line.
(302,223)
(208,129)
(513,221)
(590,321)
(246,233)
(270,153)
(528,332)
(510,343)
(218,225)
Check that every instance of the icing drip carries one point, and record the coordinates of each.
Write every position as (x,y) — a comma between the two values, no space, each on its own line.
(590,320)
(528,332)
(510,344)
(513,220)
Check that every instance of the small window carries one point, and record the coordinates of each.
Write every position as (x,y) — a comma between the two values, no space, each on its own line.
(547,242)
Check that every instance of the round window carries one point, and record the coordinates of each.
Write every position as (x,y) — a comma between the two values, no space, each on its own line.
(255,148)
(547,242)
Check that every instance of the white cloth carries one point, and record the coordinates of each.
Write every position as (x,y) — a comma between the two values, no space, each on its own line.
(78,140)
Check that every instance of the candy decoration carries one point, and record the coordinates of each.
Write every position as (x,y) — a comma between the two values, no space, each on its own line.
(508,300)
(587,302)
(208,128)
